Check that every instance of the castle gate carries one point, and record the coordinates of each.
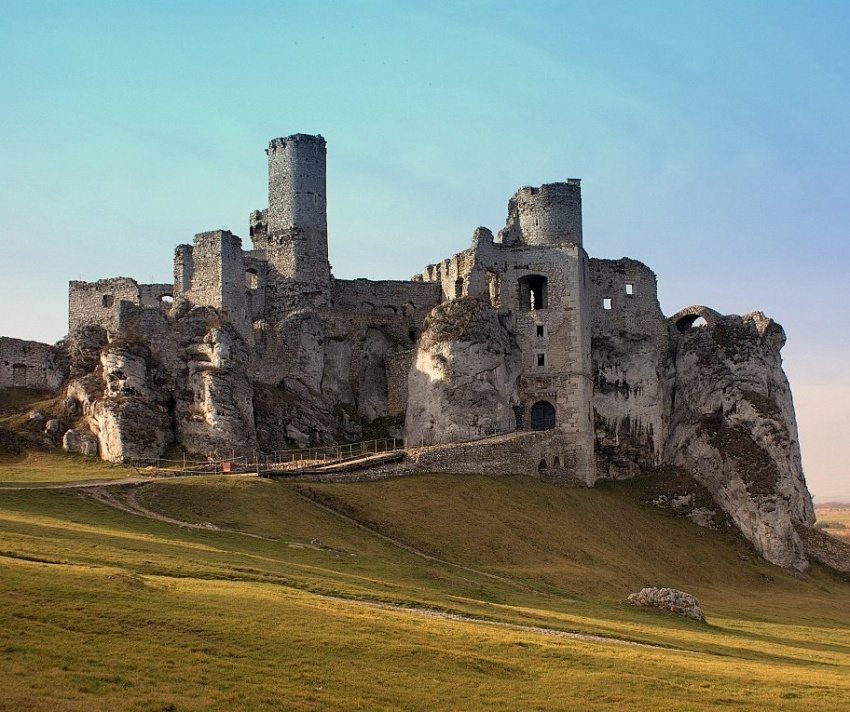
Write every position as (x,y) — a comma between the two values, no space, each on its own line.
(542,416)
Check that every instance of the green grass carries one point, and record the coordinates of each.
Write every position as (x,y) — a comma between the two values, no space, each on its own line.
(45,467)
(108,610)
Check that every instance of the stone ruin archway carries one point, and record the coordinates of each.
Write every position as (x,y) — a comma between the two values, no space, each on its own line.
(542,416)
(685,318)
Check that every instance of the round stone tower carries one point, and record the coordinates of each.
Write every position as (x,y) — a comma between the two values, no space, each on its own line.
(297,222)
(548,215)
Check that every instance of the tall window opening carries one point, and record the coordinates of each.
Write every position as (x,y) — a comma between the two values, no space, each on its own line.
(630,289)
(607,303)
(252,279)
(108,300)
(458,287)
(533,292)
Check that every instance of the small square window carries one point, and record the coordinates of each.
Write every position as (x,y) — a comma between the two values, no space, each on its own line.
(540,330)
(630,288)
(607,303)
(541,359)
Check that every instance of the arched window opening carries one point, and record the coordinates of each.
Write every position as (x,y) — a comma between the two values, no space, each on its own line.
(166,300)
(542,466)
(252,279)
(19,374)
(412,334)
(542,416)
(108,300)
(533,292)
(556,462)
(691,321)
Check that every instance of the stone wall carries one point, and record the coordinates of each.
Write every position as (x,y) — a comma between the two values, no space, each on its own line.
(548,455)
(411,300)
(219,277)
(31,364)
(99,303)
(398,367)
(632,379)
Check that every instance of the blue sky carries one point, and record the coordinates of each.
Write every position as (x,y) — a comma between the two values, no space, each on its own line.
(712,139)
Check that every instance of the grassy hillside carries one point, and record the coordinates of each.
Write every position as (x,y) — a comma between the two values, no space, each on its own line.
(284,596)
(45,467)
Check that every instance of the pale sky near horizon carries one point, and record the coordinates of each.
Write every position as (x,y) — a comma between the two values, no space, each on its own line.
(712,140)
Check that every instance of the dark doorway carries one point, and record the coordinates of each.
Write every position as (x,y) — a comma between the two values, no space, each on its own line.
(542,416)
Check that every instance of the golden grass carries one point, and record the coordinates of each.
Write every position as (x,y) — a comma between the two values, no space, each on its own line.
(107,610)
(38,467)
(835,518)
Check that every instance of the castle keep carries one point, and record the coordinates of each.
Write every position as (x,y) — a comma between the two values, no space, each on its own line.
(520,354)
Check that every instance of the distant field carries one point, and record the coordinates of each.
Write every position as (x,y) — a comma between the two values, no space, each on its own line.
(266,600)
(834,518)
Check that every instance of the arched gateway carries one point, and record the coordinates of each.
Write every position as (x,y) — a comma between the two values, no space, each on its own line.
(542,416)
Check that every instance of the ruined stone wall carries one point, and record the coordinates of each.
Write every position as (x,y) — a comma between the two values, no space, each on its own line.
(31,364)
(546,455)
(256,279)
(398,367)
(548,215)
(183,269)
(407,299)
(218,275)
(99,303)
(160,296)
(465,274)
(632,380)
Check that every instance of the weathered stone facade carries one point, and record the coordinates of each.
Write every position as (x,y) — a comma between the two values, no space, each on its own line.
(519,354)
(30,364)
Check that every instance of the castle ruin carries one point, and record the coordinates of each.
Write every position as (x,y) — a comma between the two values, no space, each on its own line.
(519,354)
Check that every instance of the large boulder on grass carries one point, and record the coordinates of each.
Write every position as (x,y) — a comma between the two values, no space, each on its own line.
(669,600)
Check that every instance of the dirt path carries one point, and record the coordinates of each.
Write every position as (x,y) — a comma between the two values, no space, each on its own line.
(136,480)
(127,500)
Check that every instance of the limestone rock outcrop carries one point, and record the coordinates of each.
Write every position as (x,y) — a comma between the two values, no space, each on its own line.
(732,426)
(79,442)
(670,600)
(463,381)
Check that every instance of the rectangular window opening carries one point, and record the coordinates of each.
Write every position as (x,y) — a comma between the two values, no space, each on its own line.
(630,288)
(541,359)
(540,330)
(607,303)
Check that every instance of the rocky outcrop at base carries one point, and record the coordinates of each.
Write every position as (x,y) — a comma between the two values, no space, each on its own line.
(669,600)
(464,376)
(732,426)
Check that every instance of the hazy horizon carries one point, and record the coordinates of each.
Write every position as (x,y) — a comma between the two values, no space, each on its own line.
(712,141)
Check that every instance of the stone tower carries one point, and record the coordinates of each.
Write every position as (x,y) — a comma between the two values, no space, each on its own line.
(296,234)
(548,215)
